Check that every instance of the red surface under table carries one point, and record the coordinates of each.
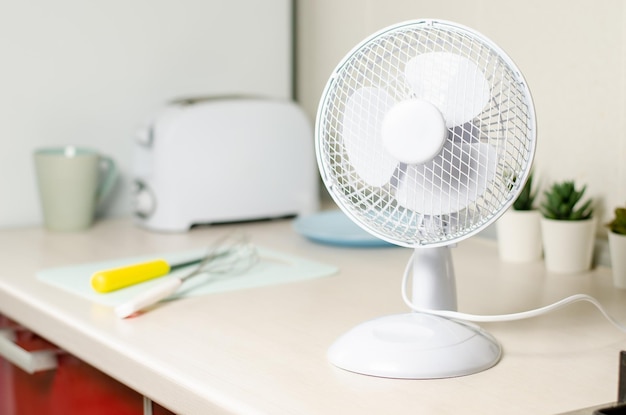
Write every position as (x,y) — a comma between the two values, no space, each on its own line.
(73,388)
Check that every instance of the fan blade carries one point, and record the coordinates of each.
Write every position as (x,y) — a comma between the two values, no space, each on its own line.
(451,181)
(452,83)
(362,138)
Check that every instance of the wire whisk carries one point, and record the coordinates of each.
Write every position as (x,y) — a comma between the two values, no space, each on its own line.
(232,254)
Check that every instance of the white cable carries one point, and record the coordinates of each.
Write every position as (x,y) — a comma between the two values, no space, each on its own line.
(505,317)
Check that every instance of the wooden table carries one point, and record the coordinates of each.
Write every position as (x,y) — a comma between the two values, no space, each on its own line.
(262,350)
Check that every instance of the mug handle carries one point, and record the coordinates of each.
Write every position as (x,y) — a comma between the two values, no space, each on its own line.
(108,181)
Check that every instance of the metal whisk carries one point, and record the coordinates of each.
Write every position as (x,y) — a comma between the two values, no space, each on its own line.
(232,255)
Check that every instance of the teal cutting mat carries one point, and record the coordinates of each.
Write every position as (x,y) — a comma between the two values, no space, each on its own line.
(272,268)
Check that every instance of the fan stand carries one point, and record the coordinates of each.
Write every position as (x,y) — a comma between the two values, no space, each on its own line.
(419,345)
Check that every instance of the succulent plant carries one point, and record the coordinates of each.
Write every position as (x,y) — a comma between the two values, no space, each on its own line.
(526,197)
(618,224)
(562,202)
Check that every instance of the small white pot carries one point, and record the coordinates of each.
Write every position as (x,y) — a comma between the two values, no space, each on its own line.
(519,236)
(617,250)
(568,244)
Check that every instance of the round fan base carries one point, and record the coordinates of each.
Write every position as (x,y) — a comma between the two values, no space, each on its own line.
(415,346)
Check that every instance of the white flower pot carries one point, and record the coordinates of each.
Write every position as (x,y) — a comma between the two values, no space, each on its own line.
(617,250)
(519,236)
(568,244)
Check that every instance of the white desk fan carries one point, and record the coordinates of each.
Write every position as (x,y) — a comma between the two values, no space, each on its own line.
(425,135)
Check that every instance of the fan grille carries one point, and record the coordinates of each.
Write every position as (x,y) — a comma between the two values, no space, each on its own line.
(506,127)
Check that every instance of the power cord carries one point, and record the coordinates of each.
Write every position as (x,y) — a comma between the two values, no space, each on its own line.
(477,318)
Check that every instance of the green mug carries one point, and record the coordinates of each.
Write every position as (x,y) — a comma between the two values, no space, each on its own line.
(72,181)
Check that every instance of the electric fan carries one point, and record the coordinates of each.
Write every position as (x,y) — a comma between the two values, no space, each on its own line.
(425,135)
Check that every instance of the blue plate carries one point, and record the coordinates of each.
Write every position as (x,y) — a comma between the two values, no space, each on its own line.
(333,227)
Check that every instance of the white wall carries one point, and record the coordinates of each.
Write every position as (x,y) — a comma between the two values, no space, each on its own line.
(88,72)
(572,53)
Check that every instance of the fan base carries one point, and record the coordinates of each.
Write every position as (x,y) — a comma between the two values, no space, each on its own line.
(415,346)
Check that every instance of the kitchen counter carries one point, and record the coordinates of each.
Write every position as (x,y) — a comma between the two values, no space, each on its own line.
(262,350)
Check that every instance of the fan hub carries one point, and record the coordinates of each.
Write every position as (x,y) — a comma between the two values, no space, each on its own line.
(413,131)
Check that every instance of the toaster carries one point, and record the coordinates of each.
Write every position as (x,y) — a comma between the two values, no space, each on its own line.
(223,159)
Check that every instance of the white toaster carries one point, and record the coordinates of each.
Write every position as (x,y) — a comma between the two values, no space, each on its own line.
(217,160)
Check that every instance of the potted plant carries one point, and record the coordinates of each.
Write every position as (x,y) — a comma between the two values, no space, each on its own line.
(519,229)
(617,246)
(568,228)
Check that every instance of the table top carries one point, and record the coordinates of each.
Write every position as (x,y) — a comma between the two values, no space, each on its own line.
(263,350)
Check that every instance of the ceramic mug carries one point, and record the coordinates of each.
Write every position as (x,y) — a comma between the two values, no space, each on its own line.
(72,183)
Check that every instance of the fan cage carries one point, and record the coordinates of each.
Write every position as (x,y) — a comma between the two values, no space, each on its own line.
(506,125)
